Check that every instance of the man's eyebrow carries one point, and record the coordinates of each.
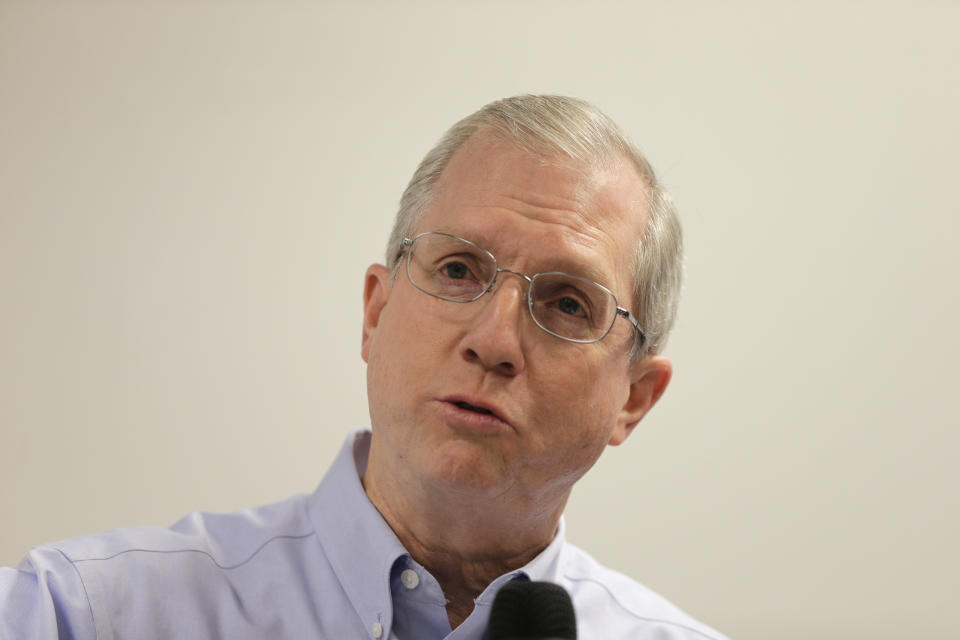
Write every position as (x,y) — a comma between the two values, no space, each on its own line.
(561,264)
(588,271)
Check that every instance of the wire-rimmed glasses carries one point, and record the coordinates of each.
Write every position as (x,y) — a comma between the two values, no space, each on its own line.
(569,307)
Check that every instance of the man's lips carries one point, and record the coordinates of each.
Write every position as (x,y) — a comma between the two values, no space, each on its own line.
(477,406)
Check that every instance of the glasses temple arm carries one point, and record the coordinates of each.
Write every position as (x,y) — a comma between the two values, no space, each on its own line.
(636,325)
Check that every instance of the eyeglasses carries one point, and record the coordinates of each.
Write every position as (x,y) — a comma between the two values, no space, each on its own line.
(566,306)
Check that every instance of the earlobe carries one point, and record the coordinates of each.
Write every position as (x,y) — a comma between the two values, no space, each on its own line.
(376,292)
(648,380)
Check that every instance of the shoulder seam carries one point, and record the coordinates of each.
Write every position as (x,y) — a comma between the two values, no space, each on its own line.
(188,550)
(640,617)
(83,584)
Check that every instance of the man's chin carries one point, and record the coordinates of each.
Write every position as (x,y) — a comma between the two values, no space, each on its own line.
(467,467)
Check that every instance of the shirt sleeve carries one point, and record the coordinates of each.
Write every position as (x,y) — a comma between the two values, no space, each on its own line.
(44,599)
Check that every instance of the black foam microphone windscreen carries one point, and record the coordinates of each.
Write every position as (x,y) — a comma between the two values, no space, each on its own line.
(532,610)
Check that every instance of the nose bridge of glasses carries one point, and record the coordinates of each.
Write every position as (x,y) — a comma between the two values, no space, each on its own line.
(496,276)
(516,273)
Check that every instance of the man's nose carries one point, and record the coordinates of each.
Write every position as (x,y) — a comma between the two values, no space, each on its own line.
(494,337)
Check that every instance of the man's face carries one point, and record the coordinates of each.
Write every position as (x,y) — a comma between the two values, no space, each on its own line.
(548,407)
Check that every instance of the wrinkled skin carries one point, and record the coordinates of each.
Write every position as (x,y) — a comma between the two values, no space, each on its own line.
(451,484)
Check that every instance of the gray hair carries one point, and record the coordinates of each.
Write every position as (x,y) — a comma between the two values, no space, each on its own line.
(549,125)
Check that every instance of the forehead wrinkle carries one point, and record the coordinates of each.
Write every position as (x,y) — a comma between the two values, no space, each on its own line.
(583,223)
(575,248)
(486,181)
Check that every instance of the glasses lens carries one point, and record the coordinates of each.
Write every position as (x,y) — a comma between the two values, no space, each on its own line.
(571,307)
(450,267)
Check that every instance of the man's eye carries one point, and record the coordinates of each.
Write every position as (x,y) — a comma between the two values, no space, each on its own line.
(570,306)
(455,270)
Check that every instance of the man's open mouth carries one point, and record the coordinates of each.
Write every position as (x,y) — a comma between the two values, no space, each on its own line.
(470,407)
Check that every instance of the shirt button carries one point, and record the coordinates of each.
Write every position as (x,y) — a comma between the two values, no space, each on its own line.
(409,578)
(377,629)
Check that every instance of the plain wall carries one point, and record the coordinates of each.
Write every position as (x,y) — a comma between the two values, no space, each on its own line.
(190,193)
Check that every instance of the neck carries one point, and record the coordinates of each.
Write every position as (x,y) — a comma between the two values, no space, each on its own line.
(464,541)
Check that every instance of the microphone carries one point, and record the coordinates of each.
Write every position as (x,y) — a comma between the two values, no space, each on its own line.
(525,610)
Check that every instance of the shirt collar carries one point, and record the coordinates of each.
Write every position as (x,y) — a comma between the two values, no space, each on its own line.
(547,566)
(359,544)
(362,548)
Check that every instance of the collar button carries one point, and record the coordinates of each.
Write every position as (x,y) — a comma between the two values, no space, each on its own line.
(409,579)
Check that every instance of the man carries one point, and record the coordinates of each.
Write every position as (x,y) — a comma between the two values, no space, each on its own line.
(514,333)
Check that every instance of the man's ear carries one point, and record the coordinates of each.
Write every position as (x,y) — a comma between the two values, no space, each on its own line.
(376,292)
(648,380)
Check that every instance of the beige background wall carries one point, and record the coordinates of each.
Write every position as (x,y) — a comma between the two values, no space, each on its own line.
(190,192)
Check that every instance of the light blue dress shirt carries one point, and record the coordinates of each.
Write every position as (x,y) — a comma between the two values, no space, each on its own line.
(324,566)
